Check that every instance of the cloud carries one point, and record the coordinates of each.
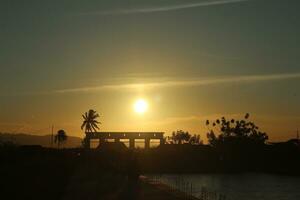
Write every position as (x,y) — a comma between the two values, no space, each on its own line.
(183,83)
(163,8)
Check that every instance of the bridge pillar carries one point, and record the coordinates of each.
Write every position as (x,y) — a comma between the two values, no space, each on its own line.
(117,140)
(87,142)
(162,141)
(147,143)
(101,141)
(131,143)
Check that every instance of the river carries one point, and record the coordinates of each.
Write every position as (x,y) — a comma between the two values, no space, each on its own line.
(237,186)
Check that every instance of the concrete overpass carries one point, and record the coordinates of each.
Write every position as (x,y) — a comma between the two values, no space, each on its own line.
(131,136)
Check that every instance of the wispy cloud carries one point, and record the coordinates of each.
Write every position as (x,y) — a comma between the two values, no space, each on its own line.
(163,8)
(183,83)
(200,119)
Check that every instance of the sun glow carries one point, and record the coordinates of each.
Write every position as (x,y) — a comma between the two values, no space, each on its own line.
(140,106)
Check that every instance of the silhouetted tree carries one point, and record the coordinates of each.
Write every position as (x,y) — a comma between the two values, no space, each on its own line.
(90,122)
(234,132)
(60,138)
(180,137)
(195,139)
(84,142)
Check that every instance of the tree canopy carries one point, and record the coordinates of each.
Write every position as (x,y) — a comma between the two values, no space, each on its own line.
(234,132)
(181,137)
(60,137)
(90,121)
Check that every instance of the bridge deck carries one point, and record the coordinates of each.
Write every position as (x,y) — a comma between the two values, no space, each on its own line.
(126,135)
(132,136)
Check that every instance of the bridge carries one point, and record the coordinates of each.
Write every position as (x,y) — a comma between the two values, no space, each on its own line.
(131,136)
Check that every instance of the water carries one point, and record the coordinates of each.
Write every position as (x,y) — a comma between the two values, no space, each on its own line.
(241,186)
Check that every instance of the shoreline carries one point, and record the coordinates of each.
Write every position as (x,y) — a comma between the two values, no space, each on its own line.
(163,191)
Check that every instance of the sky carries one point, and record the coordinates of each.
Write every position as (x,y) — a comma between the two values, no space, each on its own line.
(191,60)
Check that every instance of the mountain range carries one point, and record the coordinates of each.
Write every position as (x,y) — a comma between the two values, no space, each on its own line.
(43,140)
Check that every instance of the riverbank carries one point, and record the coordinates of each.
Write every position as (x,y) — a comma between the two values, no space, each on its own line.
(144,189)
(154,190)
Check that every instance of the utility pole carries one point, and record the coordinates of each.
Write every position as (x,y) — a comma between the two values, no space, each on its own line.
(52,136)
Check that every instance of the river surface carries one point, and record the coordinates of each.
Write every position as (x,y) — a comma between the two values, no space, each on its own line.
(237,186)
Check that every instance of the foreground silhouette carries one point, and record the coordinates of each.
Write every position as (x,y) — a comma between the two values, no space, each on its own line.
(112,171)
(60,138)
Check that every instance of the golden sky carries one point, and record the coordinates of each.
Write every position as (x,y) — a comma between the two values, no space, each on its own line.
(190,60)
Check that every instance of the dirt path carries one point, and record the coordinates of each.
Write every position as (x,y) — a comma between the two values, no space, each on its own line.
(157,191)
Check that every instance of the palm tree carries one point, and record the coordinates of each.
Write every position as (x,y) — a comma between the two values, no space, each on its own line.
(60,137)
(90,122)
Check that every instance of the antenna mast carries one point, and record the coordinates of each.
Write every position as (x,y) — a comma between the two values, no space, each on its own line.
(52,136)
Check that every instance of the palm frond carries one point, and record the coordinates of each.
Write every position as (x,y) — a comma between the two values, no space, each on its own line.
(83,125)
(90,122)
(95,126)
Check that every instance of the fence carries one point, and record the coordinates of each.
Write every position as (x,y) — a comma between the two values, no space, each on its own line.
(190,190)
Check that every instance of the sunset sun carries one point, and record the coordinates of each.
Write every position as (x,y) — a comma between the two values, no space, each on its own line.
(140,106)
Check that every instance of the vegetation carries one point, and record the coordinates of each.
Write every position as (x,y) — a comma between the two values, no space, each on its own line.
(234,132)
(60,138)
(195,139)
(181,137)
(90,121)
(89,124)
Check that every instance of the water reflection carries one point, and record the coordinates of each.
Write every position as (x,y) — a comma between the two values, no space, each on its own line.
(243,186)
